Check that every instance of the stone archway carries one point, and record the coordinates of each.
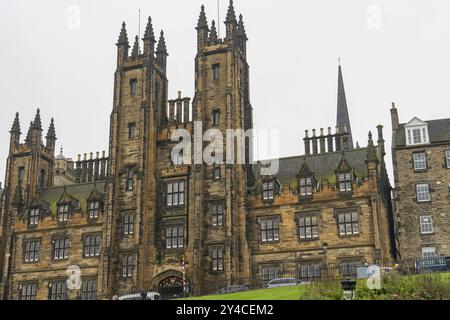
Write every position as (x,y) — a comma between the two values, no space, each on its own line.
(169,284)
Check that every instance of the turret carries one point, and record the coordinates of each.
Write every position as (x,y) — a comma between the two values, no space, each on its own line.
(122,45)
(35,130)
(161,53)
(51,138)
(149,40)
(202,30)
(231,22)
(15,133)
(213,34)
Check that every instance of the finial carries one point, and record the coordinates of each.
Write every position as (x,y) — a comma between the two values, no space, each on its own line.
(371,151)
(241,28)
(16,124)
(123,37)
(136,51)
(149,34)
(213,33)
(51,130)
(393,105)
(37,120)
(161,44)
(202,23)
(231,15)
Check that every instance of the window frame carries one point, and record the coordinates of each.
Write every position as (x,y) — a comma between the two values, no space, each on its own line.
(96,210)
(348,225)
(424,200)
(32,253)
(218,259)
(302,225)
(61,253)
(422,161)
(89,288)
(178,193)
(63,216)
(127,265)
(426,228)
(215,118)
(216,71)
(428,253)
(268,190)
(57,290)
(269,273)
(133,87)
(174,234)
(269,234)
(306,187)
(129,184)
(345,181)
(447,158)
(92,245)
(348,268)
(217,173)
(34,216)
(217,216)
(132,130)
(310,271)
(30,289)
(128,223)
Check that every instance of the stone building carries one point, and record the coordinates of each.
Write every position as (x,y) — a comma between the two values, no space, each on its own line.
(144,218)
(421,158)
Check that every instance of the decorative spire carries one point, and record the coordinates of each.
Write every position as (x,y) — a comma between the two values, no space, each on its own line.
(161,44)
(241,28)
(149,34)
(29,138)
(136,51)
(202,22)
(343,119)
(123,37)
(231,15)
(37,124)
(16,125)
(51,130)
(371,151)
(213,33)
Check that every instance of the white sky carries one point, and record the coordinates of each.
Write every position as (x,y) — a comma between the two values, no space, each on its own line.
(391,51)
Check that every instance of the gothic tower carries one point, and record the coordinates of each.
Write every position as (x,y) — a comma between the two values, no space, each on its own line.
(140,95)
(221,103)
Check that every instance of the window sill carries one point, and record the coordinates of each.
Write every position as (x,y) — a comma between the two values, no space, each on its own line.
(309,240)
(269,242)
(350,235)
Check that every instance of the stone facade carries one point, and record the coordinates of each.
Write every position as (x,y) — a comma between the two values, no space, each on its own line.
(422,224)
(162,223)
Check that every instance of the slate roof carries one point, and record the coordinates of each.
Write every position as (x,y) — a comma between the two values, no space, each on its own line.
(80,192)
(322,165)
(438,131)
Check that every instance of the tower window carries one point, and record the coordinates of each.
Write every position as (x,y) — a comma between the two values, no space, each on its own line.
(217,215)
(216,118)
(216,71)
(21,175)
(130,179)
(217,259)
(175,237)
(131,130)
(128,222)
(127,266)
(133,87)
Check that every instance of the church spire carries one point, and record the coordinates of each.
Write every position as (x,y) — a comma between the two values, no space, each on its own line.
(343,119)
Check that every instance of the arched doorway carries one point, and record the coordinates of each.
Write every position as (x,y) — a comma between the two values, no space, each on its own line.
(171,288)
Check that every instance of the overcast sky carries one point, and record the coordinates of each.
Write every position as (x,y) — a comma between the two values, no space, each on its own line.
(60,56)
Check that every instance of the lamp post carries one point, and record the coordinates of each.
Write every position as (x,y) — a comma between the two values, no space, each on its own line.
(348,285)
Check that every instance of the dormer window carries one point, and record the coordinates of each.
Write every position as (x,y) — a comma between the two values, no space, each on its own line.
(416,132)
(63,213)
(35,214)
(268,190)
(94,209)
(345,182)
(306,189)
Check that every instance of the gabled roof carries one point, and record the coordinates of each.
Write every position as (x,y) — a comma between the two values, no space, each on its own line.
(323,165)
(415,122)
(438,131)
